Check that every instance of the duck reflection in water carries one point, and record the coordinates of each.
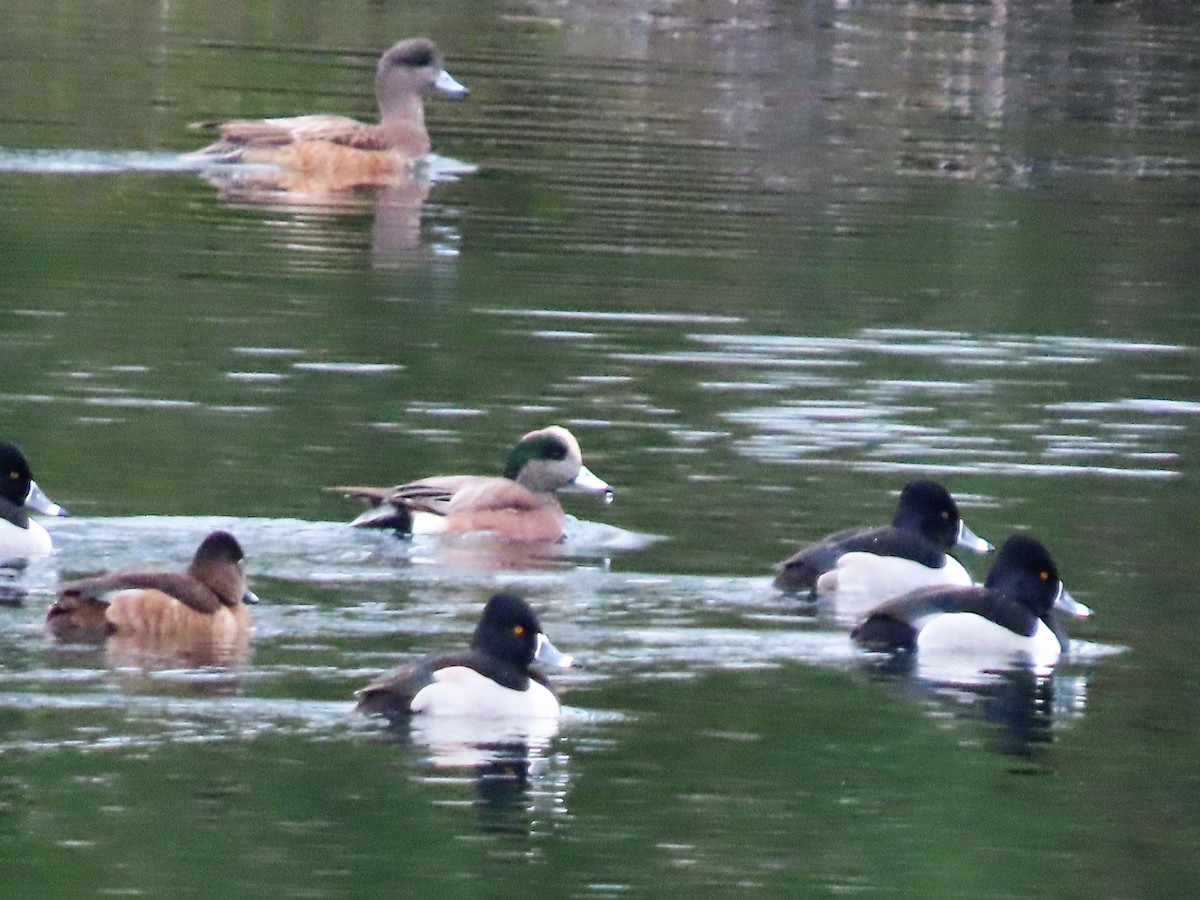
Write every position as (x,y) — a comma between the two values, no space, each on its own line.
(200,616)
(12,591)
(516,783)
(1022,706)
(516,779)
(520,791)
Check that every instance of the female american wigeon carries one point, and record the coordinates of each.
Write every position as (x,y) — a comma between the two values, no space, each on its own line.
(891,560)
(208,600)
(337,152)
(491,679)
(1010,615)
(22,538)
(519,505)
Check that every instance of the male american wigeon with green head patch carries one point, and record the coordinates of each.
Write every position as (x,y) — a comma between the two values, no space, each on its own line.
(520,504)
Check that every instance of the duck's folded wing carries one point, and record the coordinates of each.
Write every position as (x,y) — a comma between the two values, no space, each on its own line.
(434,495)
(187,590)
(373,495)
(391,694)
(278,132)
(895,624)
(800,571)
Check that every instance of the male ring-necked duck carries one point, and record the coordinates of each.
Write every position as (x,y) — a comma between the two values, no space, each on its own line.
(519,505)
(21,537)
(336,152)
(883,562)
(492,679)
(1010,614)
(208,600)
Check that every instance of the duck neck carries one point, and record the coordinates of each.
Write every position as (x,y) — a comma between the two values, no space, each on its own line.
(14,513)
(403,119)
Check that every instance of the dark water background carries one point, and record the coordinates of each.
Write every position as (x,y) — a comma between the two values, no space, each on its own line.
(768,261)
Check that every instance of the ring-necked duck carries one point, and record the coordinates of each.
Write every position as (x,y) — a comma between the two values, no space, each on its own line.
(209,599)
(1010,614)
(336,152)
(490,680)
(520,505)
(20,536)
(887,561)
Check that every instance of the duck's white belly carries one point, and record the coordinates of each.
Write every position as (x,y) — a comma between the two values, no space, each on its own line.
(460,691)
(24,543)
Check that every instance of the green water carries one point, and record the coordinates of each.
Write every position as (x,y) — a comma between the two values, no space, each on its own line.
(768,262)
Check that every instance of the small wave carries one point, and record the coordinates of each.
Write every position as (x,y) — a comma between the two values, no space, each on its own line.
(95,162)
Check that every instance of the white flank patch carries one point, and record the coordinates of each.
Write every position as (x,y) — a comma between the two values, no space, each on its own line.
(862,581)
(23,543)
(979,643)
(427,523)
(460,691)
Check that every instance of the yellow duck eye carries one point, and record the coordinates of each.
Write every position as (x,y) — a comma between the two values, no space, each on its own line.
(15,476)
(518,630)
(945,514)
(1044,575)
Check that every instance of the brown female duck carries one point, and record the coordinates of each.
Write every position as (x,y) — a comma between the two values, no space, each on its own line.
(208,600)
(329,152)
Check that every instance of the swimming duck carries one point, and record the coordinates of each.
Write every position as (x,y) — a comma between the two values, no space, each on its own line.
(1011,614)
(887,561)
(519,505)
(491,679)
(21,538)
(331,153)
(209,599)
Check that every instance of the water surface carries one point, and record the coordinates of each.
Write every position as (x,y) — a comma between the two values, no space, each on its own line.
(768,263)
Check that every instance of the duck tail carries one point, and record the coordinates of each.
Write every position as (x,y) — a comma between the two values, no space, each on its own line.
(395,516)
(78,616)
(386,510)
(884,634)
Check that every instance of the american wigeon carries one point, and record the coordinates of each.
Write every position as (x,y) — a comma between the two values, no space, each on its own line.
(1009,615)
(208,600)
(22,538)
(891,560)
(328,153)
(519,505)
(491,679)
